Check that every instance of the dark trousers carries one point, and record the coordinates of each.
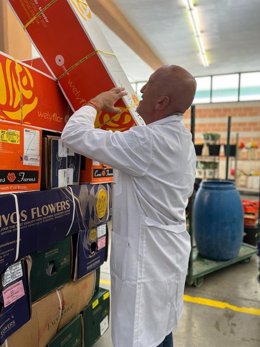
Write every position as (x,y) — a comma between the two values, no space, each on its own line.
(167,342)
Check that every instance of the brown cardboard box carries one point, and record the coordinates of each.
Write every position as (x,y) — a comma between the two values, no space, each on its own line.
(75,296)
(43,325)
(53,312)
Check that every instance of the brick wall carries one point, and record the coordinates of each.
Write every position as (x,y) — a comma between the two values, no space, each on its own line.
(213,118)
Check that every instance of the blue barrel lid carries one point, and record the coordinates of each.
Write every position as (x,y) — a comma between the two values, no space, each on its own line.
(218,184)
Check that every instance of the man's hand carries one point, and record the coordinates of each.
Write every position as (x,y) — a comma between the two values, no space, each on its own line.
(105,101)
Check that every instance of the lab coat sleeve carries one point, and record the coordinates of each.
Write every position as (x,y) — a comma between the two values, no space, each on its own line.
(129,151)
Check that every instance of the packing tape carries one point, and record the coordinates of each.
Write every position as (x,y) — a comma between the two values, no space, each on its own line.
(82,60)
(38,14)
(60,304)
(18,228)
(74,209)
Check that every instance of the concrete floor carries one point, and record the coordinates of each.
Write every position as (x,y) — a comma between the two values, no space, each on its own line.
(206,326)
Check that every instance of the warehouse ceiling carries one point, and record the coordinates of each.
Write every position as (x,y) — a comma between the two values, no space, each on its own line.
(159,32)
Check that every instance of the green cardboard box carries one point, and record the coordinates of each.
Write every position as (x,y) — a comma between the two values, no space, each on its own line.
(50,269)
(70,335)
(96,317)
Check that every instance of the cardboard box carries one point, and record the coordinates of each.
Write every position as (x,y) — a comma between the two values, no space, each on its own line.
(30,97)
(96,317)
(73,302)
(49,216)
(70,335)
(51,269)
(20,157)
(38,64)
(42,326)
(92,171)
(44,218)
(78,55)
(61,166)
(52,313)
(14,299)
(96,203)
(90,250)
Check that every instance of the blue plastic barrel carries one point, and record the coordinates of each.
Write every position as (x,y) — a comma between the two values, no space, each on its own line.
(217,220)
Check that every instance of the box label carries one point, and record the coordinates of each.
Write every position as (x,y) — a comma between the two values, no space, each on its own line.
(101,230)
(103,172)
(106,296)
(31,147)
(102,242)
(12,273)
(17,176)
(102,203)
(10,136)
(13,293)
(95,303)
(103,325)
(62,178)
(62,149)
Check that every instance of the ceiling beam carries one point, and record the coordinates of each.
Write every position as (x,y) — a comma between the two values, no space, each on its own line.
(113,17)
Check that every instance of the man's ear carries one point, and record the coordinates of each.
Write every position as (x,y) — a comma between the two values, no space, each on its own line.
(162,102)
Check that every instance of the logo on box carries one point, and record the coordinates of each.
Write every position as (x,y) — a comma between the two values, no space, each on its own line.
(82,8)
(17,97)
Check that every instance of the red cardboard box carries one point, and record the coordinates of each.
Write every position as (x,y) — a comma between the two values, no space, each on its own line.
(72,45)
(30,97)
(20,157)
(38,64)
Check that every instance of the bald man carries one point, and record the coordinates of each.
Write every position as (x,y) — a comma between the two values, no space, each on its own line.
(154,169)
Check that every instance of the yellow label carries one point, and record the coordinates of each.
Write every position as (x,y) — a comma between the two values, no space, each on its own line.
(93,234)
(95,303)
(10,136)
(82,8)
(106,296)
(102,203)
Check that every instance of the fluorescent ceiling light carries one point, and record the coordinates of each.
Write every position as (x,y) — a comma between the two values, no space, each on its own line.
(195,27)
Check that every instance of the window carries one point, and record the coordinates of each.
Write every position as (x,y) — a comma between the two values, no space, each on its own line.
(225,88)
(221,88)
(250,86)
(203,90)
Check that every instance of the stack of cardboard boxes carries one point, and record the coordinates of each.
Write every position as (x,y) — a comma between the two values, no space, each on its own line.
(55,204)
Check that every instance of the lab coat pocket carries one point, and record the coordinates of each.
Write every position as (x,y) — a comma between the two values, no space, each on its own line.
(175,290)
(165,250)
(124,257)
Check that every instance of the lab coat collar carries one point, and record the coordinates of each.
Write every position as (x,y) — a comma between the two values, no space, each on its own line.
(169,119)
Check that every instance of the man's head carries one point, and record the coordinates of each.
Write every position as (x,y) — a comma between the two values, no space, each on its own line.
(170,90)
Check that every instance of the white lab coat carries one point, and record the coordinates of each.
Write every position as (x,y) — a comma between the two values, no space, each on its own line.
(150,245)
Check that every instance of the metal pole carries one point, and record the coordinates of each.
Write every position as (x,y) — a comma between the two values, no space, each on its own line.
(236,157)
(228,146)
(192,122)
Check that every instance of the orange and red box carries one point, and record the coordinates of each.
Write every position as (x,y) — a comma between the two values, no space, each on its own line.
(70,42)
(251,212)
(94,172)
(30,97)
(20,157)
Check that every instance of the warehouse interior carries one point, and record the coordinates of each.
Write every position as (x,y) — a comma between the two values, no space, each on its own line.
(218,43)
